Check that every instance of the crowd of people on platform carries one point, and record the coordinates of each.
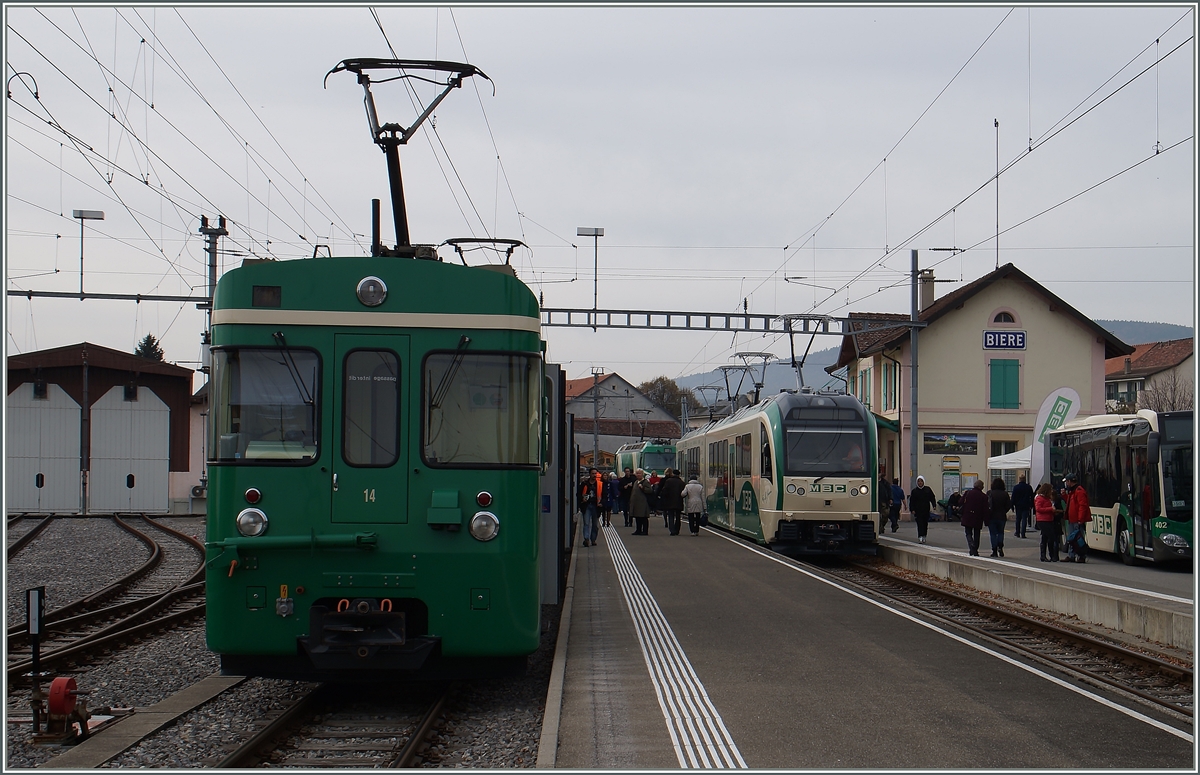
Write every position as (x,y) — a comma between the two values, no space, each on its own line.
(636,496)
(1059,517)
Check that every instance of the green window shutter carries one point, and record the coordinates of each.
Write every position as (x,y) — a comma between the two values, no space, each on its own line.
(1006,383)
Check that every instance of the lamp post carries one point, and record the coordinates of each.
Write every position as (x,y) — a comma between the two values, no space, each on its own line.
(595,232)
(84,215)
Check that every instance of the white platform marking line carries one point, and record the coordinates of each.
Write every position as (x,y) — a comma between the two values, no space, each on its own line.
(1061,575)
(977,646)
(686,689)
(667,667)
(697,731)
(649,642)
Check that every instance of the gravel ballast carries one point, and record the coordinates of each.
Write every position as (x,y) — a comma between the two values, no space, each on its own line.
(489,724)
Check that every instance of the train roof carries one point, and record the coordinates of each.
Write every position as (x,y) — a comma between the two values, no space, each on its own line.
(787,400)
(413,286)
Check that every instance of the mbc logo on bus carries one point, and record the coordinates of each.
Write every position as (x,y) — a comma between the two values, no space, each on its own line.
(827,488)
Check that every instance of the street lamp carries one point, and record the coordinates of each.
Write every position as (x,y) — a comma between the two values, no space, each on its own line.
(595,232)
(84,215)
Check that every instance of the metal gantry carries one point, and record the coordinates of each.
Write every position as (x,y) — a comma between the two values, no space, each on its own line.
(745,322)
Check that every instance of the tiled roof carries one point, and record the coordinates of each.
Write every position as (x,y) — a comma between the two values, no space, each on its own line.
(96,355)
(1150,358)
(871,342)
(655,429)
(577,387)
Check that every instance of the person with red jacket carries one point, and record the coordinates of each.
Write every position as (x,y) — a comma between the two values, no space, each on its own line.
(1046,520)
(1079,513)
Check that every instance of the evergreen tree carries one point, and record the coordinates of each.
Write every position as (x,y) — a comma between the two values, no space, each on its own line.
(148,348)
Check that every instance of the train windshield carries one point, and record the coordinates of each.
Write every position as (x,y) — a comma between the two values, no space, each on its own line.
(264,406)
(481,410)
(658,461)
(825,451)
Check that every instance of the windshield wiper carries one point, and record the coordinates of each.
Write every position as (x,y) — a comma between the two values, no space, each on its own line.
(293,370)
(439,395)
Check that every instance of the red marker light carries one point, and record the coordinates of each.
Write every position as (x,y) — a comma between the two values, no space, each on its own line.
(484,499)
(253,496)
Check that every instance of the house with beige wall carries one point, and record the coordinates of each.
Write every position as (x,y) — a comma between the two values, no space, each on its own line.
(1156,375)
(989,355)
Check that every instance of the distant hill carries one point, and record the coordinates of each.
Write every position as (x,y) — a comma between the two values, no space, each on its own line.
(1137,332)
(779,375)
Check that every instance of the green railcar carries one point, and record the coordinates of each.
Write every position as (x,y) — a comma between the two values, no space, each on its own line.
(794,472)
(654,457)
(375,448)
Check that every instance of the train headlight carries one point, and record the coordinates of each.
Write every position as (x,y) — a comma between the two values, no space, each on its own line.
(251,522)
(1174,541)
(864,489)
(854,492)
(371,291)
(484,526)
(791,488)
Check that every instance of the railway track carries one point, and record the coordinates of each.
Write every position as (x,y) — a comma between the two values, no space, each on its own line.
(19,535)
(1153,681)
(346,726)
(165,591)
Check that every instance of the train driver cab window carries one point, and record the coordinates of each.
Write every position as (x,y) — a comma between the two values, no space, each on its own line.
(481,410)
(370,408)
(264,406)
(824,450)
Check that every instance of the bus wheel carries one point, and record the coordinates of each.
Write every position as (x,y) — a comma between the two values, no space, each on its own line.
(1123,547)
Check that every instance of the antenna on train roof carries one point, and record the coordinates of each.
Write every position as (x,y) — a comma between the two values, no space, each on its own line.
(391,136)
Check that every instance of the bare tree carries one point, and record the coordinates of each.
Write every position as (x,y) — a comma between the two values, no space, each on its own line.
(1168,391)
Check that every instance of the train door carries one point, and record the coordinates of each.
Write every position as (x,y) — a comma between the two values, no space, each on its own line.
(745,504)
(370,466)
(766,482)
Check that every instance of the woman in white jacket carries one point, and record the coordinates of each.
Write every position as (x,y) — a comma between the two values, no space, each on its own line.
(693,503)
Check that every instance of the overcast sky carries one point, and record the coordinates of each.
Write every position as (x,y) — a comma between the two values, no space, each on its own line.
(722,150)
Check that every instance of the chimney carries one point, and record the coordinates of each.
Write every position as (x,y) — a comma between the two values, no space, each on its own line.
(1128,365)
(925,289)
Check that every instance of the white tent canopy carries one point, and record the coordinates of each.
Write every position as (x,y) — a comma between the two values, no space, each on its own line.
(1012,461)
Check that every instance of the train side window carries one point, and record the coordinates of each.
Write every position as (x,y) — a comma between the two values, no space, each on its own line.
(371,408)
(765,438)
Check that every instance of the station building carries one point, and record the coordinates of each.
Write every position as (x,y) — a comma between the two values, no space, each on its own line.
(93,430)
(990,356)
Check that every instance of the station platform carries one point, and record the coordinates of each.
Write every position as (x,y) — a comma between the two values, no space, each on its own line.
(620,670)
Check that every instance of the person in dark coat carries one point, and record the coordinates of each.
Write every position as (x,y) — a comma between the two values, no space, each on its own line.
(974,514)
(639,503)
(920,503)
(999,503)
(624,488)
(897,502)
(884,494)
(670,497)
(1022,501)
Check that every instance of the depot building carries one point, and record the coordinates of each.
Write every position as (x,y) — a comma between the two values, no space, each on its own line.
(998,360)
